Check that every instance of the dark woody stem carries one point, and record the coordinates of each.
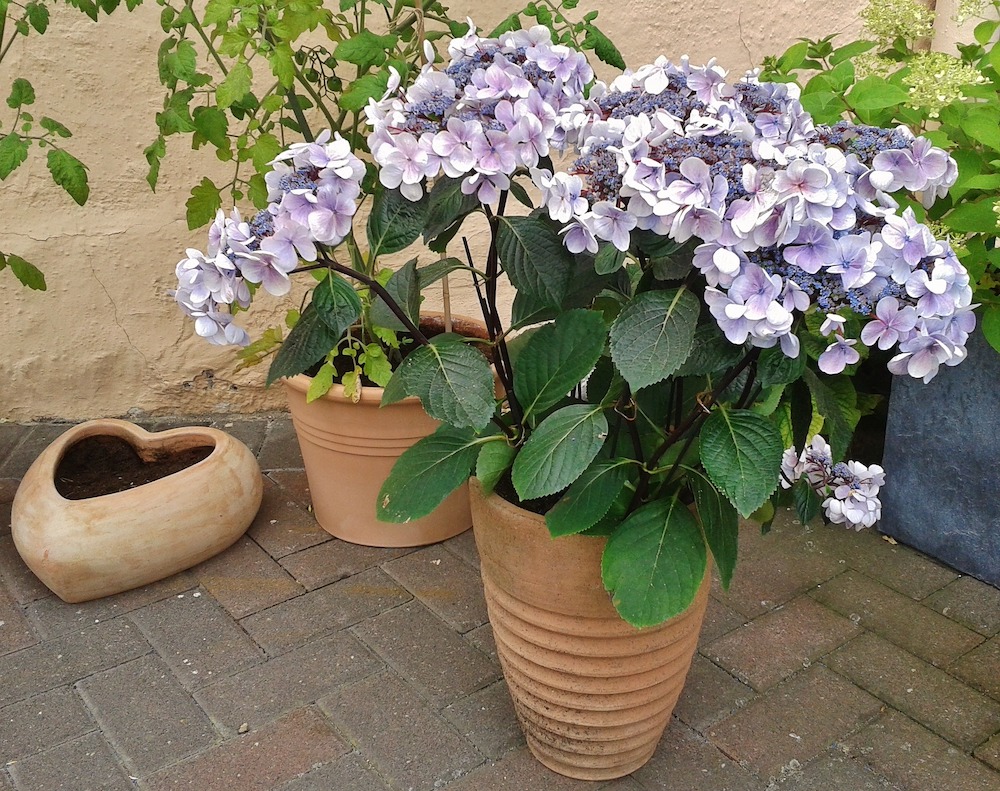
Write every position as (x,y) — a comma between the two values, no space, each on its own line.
(374,285)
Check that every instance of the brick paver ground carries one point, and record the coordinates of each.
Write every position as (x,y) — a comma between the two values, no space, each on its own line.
(838,661)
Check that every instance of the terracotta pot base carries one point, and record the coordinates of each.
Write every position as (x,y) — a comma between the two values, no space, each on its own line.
(84,549)
(593,694)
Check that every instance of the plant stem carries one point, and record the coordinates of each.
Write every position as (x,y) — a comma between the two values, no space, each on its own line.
(374,285)
(316,98)
(300,118)
(704,406)
(189,4)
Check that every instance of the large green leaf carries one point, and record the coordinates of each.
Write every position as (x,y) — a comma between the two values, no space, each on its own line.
(404,288)
(776,368)
(494,460)
(559,450)
(556,358)
(21,93)
(447,205)
(741,451)
(653,335)
(26,272)
(654,563)
(874,93)
(13,151)
(205,201)
(452,380)
(840,416)
(534,258)
(427,473)
(365,49)
(69,173)
(308,342)
(237,84)
(395,222)
(721,524)
(710,352)
(337,303)
(589,499)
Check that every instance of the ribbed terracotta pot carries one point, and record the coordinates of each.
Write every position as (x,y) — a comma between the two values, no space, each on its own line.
(349,449)
(593,694)
(88,548)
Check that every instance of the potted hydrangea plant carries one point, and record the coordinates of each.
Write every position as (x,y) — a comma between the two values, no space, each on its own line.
(361,318)
(703,276)
(951,98)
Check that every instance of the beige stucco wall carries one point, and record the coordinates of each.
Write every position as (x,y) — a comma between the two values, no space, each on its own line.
(105,339)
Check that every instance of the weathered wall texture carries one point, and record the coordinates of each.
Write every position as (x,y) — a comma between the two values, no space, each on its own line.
(105,339)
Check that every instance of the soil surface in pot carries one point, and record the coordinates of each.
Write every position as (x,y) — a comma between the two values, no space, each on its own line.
(96,466)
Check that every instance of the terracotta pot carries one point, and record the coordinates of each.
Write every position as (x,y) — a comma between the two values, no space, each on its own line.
(88,548)
(349,449)
(593,694)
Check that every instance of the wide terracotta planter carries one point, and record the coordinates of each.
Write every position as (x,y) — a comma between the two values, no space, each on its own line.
(592,694)
(84,549)
(349,449)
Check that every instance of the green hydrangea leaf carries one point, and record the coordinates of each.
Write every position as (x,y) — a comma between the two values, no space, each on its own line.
(559,450)
(741,452)
(654,563)
(589,499)
(427,473)
(653,335)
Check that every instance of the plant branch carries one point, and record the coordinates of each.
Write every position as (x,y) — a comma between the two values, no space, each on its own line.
(316,98)
(204,37)
(300,117)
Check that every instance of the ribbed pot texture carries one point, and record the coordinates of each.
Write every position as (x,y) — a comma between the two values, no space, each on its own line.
(93,547)
(592,693)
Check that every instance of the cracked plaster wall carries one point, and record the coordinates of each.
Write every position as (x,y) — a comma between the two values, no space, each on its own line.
(105,339)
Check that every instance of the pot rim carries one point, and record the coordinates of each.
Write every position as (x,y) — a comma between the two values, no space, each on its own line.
(54,454)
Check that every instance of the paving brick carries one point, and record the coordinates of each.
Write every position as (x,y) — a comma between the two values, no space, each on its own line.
(350,773)
(52,616)
(245,579)
(196,638)
(41,722)
(37,438)
(11,435)
(19,580)
(335,560)
(296,485)
(897,618)
(446,585)
(323,611)
(517,771)
(834,773)
(15,630)
(429,655)
(990,752)
(249,431)
(919,690)
(768,578)
(482,638)
(981,667)
(797,721)
(146,715)
(464,546)
(720,619)
(710,694)
(84,764)
(8,488)
(409,744)
(282,526)
(686,760)
(970,602)
(898,566)
(67,658)
(774,646)
(913,759)
(6,784)
(287,682)
(486,718)
(622,784)
(259,760)
(280,449)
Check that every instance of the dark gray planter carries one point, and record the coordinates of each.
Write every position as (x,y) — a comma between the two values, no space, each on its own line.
(942,463)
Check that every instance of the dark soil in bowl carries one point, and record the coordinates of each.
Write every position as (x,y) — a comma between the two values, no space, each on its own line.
(96,466)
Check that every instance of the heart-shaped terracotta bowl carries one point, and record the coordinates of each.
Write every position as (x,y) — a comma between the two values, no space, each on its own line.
(87,548)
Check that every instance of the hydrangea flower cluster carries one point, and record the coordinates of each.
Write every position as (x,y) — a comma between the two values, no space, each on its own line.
(789,214)
(491,110)
(312,192)
(850,489)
